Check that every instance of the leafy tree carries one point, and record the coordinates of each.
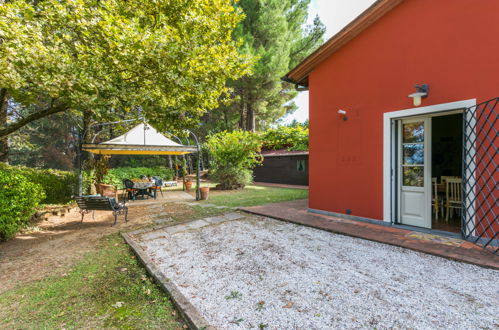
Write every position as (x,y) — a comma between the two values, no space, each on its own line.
(171,58)
(50,142)
(233,155)
(273,32)
(286,137)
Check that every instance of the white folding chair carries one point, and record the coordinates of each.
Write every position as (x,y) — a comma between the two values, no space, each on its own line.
(453,199)
(436,201)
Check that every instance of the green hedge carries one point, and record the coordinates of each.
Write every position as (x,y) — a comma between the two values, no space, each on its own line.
(115,176)
(58,185)
(19,198)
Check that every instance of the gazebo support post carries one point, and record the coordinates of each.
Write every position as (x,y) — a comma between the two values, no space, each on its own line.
(198,185)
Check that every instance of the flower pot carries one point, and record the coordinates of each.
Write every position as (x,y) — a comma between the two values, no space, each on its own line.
(188,185)
(205,192)
(107,190)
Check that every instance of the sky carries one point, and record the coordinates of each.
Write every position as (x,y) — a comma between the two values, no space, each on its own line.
(335,14)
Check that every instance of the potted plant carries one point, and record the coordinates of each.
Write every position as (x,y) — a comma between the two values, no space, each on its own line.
(188,184)
(205,191)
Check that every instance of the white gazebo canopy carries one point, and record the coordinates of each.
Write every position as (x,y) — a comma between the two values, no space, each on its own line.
(143,139)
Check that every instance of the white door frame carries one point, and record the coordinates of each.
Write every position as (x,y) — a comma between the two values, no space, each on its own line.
(388,144)
(426,189)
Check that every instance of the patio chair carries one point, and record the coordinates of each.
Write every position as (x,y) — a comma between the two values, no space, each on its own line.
(158,184)
(436,200)
(94,203)
(453,199)
(129,190)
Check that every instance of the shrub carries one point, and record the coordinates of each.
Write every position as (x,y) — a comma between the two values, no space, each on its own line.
(115,176)
(58,185)
(233,155)
(231,178)
(18,201)
(285,137)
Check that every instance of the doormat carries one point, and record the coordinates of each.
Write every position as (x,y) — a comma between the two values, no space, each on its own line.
(435,238)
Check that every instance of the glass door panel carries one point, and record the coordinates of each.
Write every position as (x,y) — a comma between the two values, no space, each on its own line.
(413,154)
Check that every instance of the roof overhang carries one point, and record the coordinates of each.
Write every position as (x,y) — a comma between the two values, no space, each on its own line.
(299,75)
(283,153)
(119,149)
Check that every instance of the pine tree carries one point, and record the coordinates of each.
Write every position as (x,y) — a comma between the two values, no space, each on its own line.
(273,32)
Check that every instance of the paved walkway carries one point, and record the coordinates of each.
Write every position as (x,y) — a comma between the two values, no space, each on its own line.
(280,185)
(451,248)
(169,196)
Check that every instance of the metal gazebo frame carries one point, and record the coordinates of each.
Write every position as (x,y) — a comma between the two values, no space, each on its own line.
(139,149)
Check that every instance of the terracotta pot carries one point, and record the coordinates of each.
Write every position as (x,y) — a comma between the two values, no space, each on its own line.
(205,192)
(107,190)
(188,185)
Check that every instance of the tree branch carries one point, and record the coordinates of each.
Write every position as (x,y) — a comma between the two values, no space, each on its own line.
(12,127)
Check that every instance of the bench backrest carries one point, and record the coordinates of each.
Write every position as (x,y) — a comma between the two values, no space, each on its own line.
(97,203)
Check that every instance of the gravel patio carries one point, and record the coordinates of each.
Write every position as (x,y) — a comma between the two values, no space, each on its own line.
(241,271)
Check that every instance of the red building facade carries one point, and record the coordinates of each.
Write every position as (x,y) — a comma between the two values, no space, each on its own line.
(369,69)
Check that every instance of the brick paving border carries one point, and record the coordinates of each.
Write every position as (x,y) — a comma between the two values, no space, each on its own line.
(190,314)
(296,212)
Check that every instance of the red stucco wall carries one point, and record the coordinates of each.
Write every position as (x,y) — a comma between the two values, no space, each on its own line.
(452,45)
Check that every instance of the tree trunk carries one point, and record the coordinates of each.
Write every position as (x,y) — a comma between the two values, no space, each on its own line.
(250,126)
(226,118)
(170,164)
(243,114)
(86,138)
(4,141)
(200,155)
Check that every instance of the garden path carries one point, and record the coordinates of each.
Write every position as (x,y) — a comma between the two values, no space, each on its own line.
(51,246)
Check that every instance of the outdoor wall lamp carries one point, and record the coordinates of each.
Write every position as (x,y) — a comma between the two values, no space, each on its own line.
(343,113)
(421,91)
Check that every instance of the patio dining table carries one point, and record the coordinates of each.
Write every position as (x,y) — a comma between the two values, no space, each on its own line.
(143,188)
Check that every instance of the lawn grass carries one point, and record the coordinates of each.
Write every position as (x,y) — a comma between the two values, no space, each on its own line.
(107,289)
(253,195)
(89,295)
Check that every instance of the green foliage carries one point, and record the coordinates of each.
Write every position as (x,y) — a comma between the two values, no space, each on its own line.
(138,160)
(286,137)
(273,32)
(101,168)
(231,177)
(18,201)
(58,186)
(115,176)
(233,155)
(171,58)
(49,142)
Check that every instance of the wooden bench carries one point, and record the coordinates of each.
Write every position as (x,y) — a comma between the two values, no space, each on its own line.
(88,204)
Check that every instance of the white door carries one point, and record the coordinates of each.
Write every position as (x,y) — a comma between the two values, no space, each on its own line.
(414,172)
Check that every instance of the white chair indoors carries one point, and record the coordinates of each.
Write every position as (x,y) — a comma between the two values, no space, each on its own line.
(453,198)
(436,201)
(443,178)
